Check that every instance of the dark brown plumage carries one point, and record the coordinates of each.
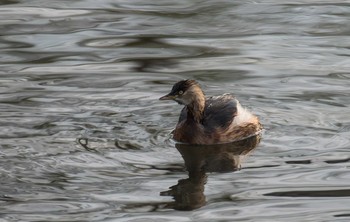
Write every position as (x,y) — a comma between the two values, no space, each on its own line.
(210,120)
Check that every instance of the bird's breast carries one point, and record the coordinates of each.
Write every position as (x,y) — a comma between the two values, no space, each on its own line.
(189,132)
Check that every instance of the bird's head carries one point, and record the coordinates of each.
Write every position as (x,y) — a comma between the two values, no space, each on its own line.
(184,92)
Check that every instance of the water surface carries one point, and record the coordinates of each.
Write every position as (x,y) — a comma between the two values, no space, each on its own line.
(84,137)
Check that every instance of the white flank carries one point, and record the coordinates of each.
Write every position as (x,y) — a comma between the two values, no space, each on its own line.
(243,115)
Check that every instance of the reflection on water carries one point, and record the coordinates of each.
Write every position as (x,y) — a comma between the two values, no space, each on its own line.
(189,193)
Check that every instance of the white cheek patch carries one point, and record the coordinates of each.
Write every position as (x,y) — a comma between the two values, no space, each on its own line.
(180,101)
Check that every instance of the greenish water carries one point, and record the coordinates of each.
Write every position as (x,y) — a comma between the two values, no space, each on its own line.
(84,137)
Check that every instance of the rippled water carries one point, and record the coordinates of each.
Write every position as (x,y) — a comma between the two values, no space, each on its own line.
(84,137)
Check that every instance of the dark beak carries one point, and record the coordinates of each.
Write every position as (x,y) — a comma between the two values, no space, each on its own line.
(167,97)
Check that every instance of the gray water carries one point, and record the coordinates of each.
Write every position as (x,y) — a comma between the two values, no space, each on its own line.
(85,138)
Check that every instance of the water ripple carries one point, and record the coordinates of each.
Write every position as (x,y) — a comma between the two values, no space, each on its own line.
(85,138)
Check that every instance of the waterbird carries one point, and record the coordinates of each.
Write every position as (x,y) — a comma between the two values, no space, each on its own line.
(210,120)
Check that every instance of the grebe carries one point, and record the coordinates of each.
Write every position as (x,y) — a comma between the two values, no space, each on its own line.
(210,120)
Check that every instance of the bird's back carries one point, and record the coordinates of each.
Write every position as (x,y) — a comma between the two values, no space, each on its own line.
(219,111)
(224,120)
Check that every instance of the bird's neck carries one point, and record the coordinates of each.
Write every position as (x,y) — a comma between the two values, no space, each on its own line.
(196,108)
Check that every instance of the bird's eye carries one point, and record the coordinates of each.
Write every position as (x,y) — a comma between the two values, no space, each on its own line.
(181,92)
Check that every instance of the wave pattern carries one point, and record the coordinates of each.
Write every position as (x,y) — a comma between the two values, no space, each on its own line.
(84,137)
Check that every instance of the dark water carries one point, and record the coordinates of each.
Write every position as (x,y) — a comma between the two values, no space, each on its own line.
(84,137)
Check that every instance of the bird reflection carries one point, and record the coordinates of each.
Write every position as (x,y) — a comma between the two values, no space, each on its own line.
(189,193)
